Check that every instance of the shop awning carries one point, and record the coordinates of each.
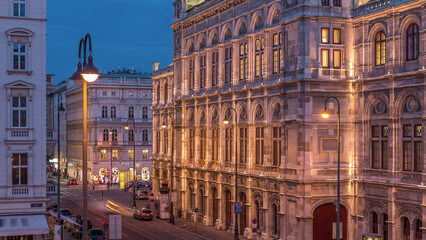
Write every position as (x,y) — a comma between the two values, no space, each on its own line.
(20,225)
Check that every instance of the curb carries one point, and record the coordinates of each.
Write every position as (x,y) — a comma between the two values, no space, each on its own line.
(195,234)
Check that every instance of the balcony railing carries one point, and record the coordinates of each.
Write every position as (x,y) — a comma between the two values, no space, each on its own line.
(20,134)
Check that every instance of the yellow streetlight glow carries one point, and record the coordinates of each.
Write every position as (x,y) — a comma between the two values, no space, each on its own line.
(226,121)
(126,127)
(163,126)
(325,114)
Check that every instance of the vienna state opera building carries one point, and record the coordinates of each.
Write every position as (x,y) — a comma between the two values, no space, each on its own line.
(270,68)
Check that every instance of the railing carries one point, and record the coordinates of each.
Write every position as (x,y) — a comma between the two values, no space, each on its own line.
(20,191)
(51,189)
(378,5)
(19,134)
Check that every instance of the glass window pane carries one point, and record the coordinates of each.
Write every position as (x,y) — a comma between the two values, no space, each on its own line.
(418,154)
(22,13)
(336,58)
(15,47)
(24,175)
(15,62)
(385,131)
(22,48)
(385,155)
(418,130)
(336,35)
(22,62)
(15,176)
(407,149)
(407,131)
(376,154)
(325,58)
(23,118)
(15,9)
(15,101)
(325,35)
(15,159)
(23,102)
(15,118)
(24,159)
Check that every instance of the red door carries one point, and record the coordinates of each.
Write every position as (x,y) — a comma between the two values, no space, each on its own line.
(324,216)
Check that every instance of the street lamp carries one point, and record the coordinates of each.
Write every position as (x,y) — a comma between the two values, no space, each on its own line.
(226,122)
(110,171)
(88,73)
(172,217)
(326,115)
(61,110)
(134,160)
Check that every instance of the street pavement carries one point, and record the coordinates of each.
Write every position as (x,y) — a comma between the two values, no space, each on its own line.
(71,198)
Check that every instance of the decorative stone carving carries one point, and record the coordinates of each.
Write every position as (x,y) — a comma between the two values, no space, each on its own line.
(228,115)
(191,118)
(214,40)
(259,23)
(203,118)
(243,29)
(177,42)
(228,34)
(202,44)
(243,114)
(380,107)
(215,117)
(276,112)
(259,113)
(411,104)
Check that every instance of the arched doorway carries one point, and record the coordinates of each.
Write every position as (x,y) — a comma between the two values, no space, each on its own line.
(243,217)
(215,204)
(228,209)
(324,216)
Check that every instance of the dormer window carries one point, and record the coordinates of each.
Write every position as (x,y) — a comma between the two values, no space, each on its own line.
(19,8)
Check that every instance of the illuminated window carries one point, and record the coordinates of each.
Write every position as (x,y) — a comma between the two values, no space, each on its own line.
(379,146)
(325,58)
(325,35)
(412,147)
(105,135)
(131,154)
(337,37)
(145,154)
(380,46)
(131,112)
(259,56)
(260,145)
(19,112)
(243,61)
(103,154)
(412,42)
(19,8)
(114,154)
(337,58)
(144,112)
(113,112)
(19,169)
(277,52)
(215,68)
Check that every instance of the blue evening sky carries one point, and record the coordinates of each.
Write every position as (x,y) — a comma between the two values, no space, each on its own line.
(125,32)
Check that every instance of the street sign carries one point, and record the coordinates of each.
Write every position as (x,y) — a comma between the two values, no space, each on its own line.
(57,232)
(152,194)
(152,200)
(238,208)
(254,223)
(254,230)
(114,227)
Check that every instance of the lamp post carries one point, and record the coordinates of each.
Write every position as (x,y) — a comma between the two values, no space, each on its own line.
(325,115)
(85,73)
(226,121)
(61,110)
(134,161)
(110,172)
(172,217)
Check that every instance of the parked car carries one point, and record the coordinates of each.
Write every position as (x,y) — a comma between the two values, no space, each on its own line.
(72,181)
(96,234)
(142,194)
(143,214)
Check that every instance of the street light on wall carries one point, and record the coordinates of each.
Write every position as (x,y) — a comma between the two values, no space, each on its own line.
(134,161)
(226,122)
(86,72)
(172,217)
(325,114)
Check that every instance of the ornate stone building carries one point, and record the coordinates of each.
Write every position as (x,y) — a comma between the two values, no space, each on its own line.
(275,63)
(116,100)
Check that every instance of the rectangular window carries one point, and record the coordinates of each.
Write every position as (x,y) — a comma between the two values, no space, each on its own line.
(412,147)
(19,112)
(113,94)
(379,147)
(325,35)
(407,154)
(19,56)
(337,36)
(337,58)
(19,169)
(325,2)
(202,144)
(166,142)
(259,145)
(228,64)
(131,154)
(191,74)
(215,140)
(276,146)
(202,71)
(145,154)
(158,142)
(19,8)
(325,58)
(103,154)
(243,61)
(276,52)
(418,156)
(215,68)
(192,143)
(336,3)
(376,154)
(114,154)
(243,144)
(228,144)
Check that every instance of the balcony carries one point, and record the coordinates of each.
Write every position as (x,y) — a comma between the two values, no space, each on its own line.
(20,134)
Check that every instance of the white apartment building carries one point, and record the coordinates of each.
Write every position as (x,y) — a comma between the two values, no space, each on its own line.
(23,119)
(115,100)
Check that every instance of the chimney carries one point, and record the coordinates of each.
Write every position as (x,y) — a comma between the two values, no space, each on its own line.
(155,66)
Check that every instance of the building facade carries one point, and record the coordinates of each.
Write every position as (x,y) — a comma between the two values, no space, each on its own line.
(23,136)
(118,102)
(276,63)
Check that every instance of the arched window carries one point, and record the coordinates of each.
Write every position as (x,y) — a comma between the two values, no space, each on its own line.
(145,112)
(380,45)
(165,93)
(131,112)
(105,134)
(113,112)
(145,135)
(374,222)
(275,224)
(202,207)
(418,229)
(385,227)
(104,112)
(158,93)
(131,135)
(412,42)
(406,229)
(114,135)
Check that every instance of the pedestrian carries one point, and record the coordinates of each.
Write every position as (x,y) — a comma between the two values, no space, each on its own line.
(93,184)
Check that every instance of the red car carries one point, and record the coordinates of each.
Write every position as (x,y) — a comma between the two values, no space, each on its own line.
(72,181)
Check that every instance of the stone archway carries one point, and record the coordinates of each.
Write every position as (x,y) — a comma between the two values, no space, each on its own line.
(324,217)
